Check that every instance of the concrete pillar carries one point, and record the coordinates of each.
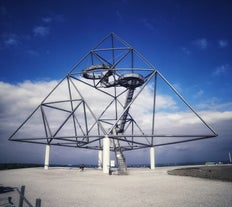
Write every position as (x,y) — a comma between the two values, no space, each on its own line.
(106,154)
(152,158)
(47,156)
(100,159)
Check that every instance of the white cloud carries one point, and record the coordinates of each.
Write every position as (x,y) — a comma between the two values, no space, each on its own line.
(18,101)
(201,43)
(199,93)
(223,43)
(47,19)
(222,69)
(148,24)
(53,18)
(11,40)
(22,98)
(41,31)
(186,50)
(216,116)
(214,104)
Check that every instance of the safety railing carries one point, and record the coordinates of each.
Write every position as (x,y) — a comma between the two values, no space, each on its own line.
(23,199)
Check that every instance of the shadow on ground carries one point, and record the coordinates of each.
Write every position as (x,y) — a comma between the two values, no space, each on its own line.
(4,189)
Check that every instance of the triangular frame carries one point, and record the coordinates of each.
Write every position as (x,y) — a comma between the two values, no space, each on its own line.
(103,69)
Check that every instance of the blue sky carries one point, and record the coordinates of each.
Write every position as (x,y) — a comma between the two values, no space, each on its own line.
(189,42)
(43,39)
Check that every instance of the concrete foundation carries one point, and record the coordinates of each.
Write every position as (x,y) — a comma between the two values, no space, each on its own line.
(106,154)
(47,157)
(100,159)
(152,158)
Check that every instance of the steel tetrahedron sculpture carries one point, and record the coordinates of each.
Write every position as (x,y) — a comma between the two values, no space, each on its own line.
(113,90)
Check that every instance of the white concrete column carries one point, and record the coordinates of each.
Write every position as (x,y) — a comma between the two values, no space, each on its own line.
(106,154)
(152,158)
(47,157)
(100,159)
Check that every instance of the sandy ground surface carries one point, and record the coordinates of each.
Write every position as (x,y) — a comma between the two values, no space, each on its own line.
(64,187)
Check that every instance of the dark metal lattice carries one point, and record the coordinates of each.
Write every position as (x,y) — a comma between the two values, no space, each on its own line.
(94,100)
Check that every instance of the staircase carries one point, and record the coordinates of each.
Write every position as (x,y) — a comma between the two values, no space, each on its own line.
(121,161)
(124,117)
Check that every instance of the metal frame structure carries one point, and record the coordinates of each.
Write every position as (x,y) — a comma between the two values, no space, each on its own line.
(119,74)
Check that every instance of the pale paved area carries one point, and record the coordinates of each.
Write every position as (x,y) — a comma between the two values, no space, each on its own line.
(64,187)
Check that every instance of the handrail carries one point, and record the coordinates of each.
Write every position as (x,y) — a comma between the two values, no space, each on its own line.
(22,198)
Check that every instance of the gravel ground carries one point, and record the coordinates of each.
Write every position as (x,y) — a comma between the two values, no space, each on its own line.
(64,187)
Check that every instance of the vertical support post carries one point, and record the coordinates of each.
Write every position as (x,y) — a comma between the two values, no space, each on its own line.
(230,158)
(154,109)
(106,154)
(38,202)
(152,158)
(47,157)
(100,159)
(21,198)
